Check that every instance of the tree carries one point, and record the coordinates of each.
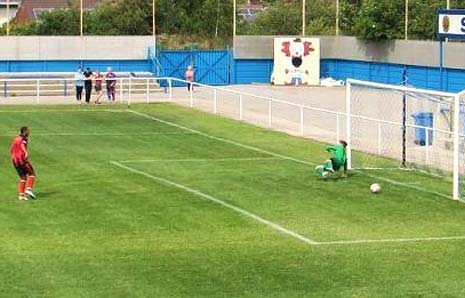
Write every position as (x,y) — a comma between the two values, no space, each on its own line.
(380,20)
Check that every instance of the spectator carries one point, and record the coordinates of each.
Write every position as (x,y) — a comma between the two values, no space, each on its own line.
(79,83)
(111,85)
(190,77)
(98,86)
(88,84)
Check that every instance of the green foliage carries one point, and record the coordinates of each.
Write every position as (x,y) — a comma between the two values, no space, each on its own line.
(380,20)
(209,22)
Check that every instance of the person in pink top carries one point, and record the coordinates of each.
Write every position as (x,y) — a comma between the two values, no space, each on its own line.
(190,77)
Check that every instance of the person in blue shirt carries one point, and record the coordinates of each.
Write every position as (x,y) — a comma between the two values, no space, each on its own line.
(79,79)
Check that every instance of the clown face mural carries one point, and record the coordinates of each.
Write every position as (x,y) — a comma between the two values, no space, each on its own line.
(296,61)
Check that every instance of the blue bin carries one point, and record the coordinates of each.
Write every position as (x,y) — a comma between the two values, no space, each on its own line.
(423,119)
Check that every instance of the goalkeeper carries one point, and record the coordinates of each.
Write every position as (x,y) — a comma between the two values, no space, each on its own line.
(336,162)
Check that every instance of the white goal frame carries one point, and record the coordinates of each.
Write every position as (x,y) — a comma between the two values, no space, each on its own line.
(350,83)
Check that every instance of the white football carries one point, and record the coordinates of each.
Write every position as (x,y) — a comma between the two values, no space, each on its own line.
(375,188)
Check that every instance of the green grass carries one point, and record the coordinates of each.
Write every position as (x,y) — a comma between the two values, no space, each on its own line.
(99,230)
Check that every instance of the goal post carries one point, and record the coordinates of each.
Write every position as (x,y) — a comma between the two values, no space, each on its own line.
(400,127)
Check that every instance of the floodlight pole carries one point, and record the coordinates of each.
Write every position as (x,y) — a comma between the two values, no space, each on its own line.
(234,18)
(406,19)
(304,25)
(7,17)
(154,27)
(82,18)
(337,17)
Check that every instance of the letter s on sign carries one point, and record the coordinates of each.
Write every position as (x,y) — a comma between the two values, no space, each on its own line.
(462,28)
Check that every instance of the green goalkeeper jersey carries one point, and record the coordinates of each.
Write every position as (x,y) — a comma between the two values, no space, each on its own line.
(338,153)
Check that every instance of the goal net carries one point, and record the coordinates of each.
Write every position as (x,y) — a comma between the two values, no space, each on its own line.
(396,127)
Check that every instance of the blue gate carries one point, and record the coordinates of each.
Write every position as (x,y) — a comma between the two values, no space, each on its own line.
(211,67)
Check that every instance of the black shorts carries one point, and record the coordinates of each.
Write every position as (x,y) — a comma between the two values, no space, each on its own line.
(25,169)
(98,88)
(336,165)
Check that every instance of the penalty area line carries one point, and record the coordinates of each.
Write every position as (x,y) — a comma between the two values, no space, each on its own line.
(387,180)
(241,211)
(200,160)
(394,240)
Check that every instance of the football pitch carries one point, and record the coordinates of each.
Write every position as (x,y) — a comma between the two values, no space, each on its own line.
(165,201)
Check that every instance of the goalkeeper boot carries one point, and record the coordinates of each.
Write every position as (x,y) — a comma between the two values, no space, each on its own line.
(328,166)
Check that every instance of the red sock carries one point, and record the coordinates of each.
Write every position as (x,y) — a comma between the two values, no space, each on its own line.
(22,187)
(30,182)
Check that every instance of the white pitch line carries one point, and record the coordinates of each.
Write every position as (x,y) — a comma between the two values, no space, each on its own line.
(200,160)
(43,111)
(71,134)
(387,180)
(246,213)
(368,241)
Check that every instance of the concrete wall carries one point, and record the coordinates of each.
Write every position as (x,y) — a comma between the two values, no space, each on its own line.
(424,53)
(20,48)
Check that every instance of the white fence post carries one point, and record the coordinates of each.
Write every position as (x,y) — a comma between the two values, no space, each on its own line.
(191,95)
(121,91)
(349,124)
(338,127)
(270,113)
(170,89)
(240,108)
(130,91)
(379,139)
(427,146)
(302,125)
(215,102)
(148,91)
(38,91)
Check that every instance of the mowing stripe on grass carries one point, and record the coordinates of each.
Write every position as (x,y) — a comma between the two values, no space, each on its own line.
(246,213)
(368,241)
(200,160)
(387,180)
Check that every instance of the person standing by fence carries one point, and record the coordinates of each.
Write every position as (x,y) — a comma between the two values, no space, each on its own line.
(79,83)
(98,86)
(111,85)
(190,77)
(88,84)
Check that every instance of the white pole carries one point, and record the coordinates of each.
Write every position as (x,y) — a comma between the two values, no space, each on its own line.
(234,18)
(38,91)
(348,125)
(130,90)
(304,25)
(337,17)
(215,102)
(191,95)
(7,17)
(406,19)
(240,108)
(270,114)
(379,139)
(170,89)
(456,192)
(147,92)
(338,127)
(154,27)
(302,120)
(426,147)
(121,91)
(82,18)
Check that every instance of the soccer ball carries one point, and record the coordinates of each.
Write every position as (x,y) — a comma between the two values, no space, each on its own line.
(375,188)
